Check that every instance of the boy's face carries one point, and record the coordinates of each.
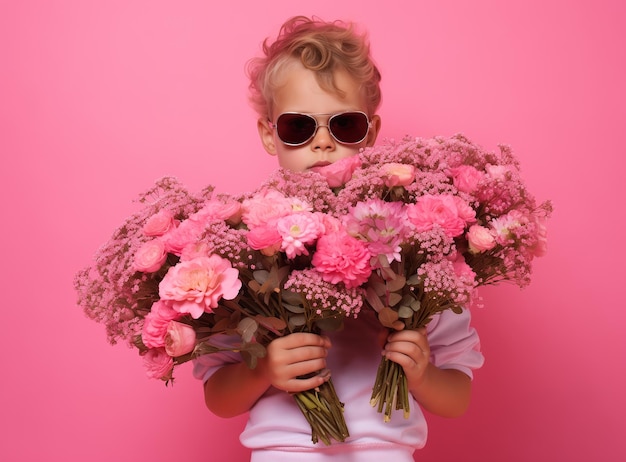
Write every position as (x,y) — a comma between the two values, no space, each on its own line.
(302,94)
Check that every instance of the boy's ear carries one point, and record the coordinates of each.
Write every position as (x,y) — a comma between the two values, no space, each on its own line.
(374,130)
(266,133)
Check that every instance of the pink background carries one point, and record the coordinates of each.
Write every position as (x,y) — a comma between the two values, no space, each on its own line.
(100,98)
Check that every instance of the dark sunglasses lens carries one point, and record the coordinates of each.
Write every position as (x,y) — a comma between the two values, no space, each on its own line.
(350,127)
(295,128)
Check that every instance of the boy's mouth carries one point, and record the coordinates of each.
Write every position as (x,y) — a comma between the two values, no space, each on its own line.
(320,164)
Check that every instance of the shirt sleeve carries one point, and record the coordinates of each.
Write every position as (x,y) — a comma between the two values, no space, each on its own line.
(205,366)
(454,344)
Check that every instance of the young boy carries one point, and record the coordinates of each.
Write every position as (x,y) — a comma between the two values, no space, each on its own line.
(316,91)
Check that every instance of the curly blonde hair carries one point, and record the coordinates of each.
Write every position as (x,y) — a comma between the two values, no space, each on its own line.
(323,47)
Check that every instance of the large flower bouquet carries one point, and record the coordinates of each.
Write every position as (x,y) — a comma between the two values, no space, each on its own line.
(408,228)
(440,217)
(188,270)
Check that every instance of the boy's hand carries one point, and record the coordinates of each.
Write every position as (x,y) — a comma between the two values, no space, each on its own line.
(410,349)
(297,355)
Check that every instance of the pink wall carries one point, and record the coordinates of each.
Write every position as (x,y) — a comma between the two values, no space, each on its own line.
(100,98)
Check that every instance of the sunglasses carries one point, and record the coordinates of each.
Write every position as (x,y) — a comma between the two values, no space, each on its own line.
(296,129)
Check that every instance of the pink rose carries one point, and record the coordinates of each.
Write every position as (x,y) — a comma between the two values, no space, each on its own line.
(264,208)
(396,174)
(464,210)
(342,258)
(150,256)
(197,285)
(480,239)
(466,178)
(186,233)
(498,172)
(155,324)
(195,250)
(158,363)
(338,173)
(441,210)
(159,223)
(541,246)
(228,210)
(180,339)
(265,238)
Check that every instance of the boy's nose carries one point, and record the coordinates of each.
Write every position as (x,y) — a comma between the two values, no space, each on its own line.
(322,140)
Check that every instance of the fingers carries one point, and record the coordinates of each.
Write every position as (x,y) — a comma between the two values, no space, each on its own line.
(297,362)
(409,348)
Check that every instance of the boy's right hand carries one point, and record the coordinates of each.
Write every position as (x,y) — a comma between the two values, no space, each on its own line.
(297,355)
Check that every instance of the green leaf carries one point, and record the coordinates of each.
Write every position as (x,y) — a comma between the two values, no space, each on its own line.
(247,327)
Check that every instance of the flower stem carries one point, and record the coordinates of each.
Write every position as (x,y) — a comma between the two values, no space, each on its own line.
(324,412)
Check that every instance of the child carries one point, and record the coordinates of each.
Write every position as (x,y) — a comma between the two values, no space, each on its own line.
(316,91)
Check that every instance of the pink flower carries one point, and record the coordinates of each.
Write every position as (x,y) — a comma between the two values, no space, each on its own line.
(194,250)
(158,363)
(342,258)
(502,226)
(466,178)
(150,256)
(267,239)
(155,324)
(480,239)
(396,174)
(382,225)
(441,210)
(265,208)
(180,339)
(221,210)
(186,233)
(541,246)
(298,230)
(159,223)
(338,173)
(498,172)
(197,285)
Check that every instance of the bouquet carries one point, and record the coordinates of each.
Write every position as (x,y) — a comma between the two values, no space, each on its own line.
(407,228)
(188,269)
(440,217)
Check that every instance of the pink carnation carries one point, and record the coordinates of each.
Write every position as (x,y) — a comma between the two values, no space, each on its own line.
(338,173)
(158,363)
(197,285)
(441,210)
(342,258)
(150,256)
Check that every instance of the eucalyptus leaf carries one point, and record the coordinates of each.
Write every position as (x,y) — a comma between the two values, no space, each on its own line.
(297,320)
(247,327)
(330,324)
(294,308)
(394,299)
(405,312)
(387,317)
(293,298)
(260,276)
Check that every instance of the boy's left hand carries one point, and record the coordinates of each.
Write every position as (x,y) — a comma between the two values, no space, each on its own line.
(410,349)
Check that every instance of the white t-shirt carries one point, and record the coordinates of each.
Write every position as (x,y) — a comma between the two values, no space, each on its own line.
(276,426)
